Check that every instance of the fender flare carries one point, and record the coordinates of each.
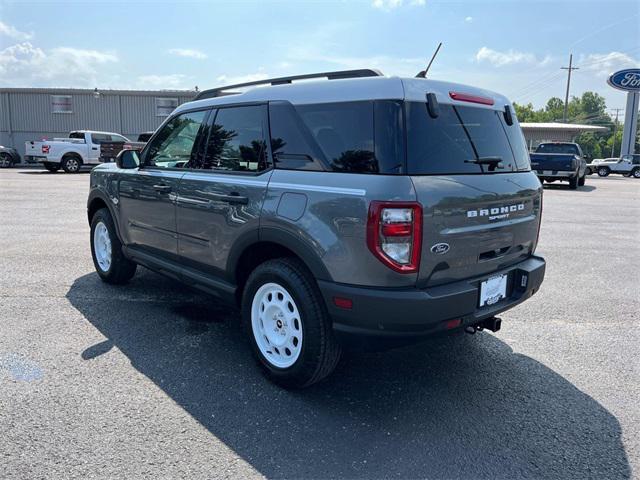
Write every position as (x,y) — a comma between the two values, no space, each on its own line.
(297,245)
(98,194)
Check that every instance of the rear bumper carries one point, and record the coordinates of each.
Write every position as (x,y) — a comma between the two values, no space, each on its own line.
(555,174)
(415,313)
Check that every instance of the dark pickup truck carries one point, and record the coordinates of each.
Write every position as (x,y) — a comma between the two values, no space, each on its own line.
(560,161)
(110,150)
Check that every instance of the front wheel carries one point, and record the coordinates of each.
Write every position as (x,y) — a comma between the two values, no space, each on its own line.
(106,250)
(288,325)
(5,160)
(636,173)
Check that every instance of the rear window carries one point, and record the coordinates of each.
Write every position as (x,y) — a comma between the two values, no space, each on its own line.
(557,148)
(349,137)
(458,137)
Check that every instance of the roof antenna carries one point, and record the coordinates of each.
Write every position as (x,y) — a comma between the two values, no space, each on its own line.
(423,73)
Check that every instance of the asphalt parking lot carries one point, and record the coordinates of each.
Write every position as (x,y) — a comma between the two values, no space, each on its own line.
(154,380)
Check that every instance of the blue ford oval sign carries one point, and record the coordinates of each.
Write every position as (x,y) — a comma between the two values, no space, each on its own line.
(628,79)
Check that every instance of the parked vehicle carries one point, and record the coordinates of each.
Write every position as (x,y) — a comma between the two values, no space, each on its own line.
(8,157)
(560,161)
(82,147)
(362,208)
(110,150)
(627,165)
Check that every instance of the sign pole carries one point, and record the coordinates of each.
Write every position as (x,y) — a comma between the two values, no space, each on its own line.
(630,124)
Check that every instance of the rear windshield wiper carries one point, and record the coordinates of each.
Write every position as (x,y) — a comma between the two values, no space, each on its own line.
(493,162)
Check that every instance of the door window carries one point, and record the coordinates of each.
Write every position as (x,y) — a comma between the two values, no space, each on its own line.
(236,141)
(175,145)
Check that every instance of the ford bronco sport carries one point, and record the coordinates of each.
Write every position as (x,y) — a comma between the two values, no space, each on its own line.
(359,207)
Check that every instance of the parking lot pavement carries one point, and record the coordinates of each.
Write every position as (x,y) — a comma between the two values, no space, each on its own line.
(154,380)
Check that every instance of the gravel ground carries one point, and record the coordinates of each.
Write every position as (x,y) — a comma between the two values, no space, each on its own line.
(154,380)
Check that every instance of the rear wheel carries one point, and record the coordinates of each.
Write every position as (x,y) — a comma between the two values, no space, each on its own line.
(603,172)
(71,164)
(573,182)
(287,324)
(636,173)
(588,171)
(582,180)
(106,250)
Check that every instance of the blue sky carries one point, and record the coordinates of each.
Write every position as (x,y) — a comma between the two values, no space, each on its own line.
(514,47)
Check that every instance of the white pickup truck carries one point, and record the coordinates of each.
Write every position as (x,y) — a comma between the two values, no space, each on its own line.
(82,147)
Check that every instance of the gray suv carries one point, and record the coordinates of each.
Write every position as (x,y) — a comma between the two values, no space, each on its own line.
(347,211)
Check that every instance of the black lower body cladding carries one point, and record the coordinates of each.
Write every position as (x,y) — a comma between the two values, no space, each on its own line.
(411,314)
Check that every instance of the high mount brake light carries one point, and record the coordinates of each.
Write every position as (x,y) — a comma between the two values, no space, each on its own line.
(394,234)
(465,97)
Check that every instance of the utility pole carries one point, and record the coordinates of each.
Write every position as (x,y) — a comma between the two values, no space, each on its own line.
(566,96)
(615,129)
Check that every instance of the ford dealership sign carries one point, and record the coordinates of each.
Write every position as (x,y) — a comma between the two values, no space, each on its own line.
(628,79)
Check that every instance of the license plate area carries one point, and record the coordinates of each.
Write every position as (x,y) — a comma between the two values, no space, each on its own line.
(492,290)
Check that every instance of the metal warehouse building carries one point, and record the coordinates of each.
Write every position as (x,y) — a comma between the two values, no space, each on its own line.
(36,113)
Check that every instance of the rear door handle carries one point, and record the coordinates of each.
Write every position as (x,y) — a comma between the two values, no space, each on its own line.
(162,188)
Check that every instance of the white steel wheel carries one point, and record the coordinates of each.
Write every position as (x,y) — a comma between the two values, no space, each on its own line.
(102,246)
(636,173)
(276,325)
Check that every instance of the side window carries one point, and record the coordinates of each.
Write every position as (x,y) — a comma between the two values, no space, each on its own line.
(292,145)
(99,138)
(236,141)
(118,138)
(344,132)
(175,143)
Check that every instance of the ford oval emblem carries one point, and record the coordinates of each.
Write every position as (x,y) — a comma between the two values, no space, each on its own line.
(628,79)
(440,248)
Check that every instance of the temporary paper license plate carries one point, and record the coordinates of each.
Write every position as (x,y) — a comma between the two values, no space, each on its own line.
(493,290)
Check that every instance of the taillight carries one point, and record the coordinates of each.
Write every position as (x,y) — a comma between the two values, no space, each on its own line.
(465,97)
(539,222)
(126,146)
(394,234)
(45,148)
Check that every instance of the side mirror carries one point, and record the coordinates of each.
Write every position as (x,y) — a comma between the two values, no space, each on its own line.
(128,159)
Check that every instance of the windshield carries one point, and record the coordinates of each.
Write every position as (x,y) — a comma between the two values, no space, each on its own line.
(462,140)
(557,148)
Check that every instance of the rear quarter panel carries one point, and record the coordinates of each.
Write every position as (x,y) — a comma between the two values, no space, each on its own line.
(328,213)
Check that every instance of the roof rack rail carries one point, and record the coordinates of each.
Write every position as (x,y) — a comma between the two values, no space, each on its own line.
(222,91)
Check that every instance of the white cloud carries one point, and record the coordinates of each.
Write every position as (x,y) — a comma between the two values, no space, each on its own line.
(188,52)
(388,5)
(23,64)
(510,57)
(602,64)
(12,32)
(174,81)
(468,19)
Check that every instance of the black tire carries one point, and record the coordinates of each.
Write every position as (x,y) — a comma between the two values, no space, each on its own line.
(603,172)
(320,352)
(52,167)
(636,172)
(71,164)
(121,269)
(582,180)
(588,171)
(573,182)
(5,160)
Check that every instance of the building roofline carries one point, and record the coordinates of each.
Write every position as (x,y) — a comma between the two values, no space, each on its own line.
(561,126)
(91,91)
